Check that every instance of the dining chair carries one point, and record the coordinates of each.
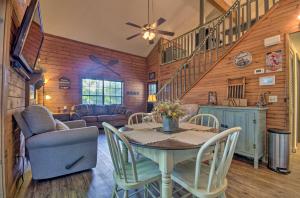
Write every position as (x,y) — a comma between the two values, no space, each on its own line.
(208,120)
(208,180)
(129,175)
(140,117)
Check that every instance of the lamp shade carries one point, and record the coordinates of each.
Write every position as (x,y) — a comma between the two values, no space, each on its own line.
(152,98)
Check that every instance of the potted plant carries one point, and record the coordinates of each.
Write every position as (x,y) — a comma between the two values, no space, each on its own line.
(170,112)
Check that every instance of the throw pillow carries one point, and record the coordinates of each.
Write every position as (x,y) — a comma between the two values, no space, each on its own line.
(100,110)
(60,125)
(39,119)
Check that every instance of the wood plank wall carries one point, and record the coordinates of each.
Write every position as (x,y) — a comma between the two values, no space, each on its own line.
(282,20)
(69,58)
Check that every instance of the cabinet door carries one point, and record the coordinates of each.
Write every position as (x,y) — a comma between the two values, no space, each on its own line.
(213,111)
(246,138)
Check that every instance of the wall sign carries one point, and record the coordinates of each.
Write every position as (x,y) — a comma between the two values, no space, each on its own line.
(64,83)
(274,61)
(133,93)
(243,59)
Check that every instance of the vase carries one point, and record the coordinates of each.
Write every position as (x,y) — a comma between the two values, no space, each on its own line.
(170,124)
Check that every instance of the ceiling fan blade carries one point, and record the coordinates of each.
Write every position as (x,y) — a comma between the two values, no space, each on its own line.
(133,25)
(131,37)
(95,59)
(165,33)
(158,22)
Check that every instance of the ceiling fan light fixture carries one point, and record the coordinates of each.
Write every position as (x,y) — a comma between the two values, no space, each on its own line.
(146,35)
(149,35)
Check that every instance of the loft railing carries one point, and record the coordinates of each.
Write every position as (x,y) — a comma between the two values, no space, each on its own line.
(222,34)
(183,46)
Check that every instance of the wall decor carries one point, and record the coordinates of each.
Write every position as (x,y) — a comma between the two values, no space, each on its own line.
(212,98)
(243,59)
(236,87)
(236,92)
(64,83)
(152,76)
(267,80)
(274,61)
(261,102)
(133,93)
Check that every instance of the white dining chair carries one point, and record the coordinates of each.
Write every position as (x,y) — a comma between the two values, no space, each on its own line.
(129,175)
(140,117)
(208,180)
(208,120)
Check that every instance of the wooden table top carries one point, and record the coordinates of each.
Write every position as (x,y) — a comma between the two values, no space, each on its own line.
(167,143)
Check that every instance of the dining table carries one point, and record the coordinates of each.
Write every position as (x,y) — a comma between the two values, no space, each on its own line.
(166,149)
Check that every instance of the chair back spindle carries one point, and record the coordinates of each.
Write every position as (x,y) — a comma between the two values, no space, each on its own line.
(140,117)
(221,159)
(114,140)
(205,120)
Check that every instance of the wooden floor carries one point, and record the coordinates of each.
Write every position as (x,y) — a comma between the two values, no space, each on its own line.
(244,181)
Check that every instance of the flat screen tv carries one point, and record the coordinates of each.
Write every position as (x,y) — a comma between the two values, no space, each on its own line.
(29,38)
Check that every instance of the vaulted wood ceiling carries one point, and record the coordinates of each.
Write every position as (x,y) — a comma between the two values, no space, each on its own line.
(102,22)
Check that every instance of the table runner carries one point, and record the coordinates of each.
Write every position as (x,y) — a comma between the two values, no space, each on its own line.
(146,133)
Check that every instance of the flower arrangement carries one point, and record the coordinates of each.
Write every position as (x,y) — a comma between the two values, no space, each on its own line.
(170,110)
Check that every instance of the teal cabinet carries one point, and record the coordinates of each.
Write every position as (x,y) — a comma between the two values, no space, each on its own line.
(252,120)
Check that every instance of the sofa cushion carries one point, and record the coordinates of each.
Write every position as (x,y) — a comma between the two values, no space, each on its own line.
(39,119)
(120,110)
(107,118)
(60,125)
(81,110)
(90,118)
(100,110)
(90,109)
(110,109)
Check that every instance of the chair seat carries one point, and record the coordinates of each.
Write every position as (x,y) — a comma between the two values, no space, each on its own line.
(184,175)
(147,172)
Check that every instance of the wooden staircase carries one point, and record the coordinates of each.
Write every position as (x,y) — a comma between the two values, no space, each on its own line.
(206,45)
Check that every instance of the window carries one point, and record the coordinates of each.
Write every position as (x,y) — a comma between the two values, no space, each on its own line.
(102,92)
(152,88)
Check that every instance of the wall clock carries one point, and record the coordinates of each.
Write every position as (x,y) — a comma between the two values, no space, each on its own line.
(243,59)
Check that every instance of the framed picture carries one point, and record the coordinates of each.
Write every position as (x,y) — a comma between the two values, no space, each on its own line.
(212,98)
(152,76)
(274,61)
(267,80)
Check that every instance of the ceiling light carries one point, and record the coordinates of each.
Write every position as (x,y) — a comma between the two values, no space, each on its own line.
(151,36)
(146,35)
(298,17)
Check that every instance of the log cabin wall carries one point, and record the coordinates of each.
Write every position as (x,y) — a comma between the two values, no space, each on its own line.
(63,57)
(281,21)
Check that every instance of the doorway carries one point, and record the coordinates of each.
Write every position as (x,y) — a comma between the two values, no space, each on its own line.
(294,81)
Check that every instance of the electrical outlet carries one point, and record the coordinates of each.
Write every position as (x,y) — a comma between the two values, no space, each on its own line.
(272,99)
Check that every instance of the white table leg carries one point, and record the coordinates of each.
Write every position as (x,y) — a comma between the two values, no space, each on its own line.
(166,167)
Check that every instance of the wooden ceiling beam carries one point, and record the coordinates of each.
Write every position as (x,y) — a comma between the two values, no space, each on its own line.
(221,5)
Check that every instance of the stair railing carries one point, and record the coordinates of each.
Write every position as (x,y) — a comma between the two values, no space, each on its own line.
(222,35)
(185,44)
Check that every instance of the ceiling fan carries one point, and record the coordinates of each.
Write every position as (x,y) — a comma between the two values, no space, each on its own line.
(149,31)
(110,63)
